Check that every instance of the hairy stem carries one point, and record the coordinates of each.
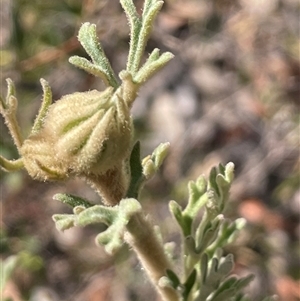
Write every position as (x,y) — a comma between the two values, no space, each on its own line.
(111,186)
(143,240)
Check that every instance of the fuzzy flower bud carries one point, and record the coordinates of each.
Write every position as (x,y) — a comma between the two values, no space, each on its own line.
(82,134)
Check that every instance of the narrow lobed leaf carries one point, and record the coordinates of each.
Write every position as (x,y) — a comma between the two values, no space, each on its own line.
(11,90)
(135,24)
(88,38)
(175,282)
(111,239)
(229,172)
(204,267)
(89,67)
(151,67)
(46,102)
(136,170)
(224,295)
(226,265)
(64,221)
(97,214)
(243,282)
(188,285)
(72,200)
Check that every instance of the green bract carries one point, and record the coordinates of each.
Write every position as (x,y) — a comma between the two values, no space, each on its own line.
(83,133)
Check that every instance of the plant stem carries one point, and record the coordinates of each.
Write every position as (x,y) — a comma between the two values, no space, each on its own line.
(111,186)
(142,238)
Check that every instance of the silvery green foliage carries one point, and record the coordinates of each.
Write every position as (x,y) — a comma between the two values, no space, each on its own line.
(101,150)
(116,218)
(206,271)
(89,134)
(100,66)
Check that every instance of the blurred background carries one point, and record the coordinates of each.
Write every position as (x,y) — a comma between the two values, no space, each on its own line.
(230,94)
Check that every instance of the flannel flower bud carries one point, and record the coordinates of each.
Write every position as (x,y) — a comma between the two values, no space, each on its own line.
(85,133)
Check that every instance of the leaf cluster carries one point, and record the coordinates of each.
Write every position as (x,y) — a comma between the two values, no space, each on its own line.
(206,269)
